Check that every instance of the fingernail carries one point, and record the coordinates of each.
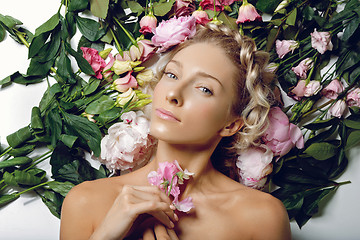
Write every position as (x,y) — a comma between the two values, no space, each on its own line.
(172,207)
(176,217)
(172,224)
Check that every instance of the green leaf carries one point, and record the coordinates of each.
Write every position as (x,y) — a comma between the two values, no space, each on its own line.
(50,50)
(99,8)
(321,151)
(161,8)
(53,201)
(267,6)
(37,68)
(25,80)
(86,130)
(5,81)
(37,43)
(5,199)
(351,29)
(17,161)
(55,125)
(91,86)
(353,139)
(64,67)
(19,137)
(68,140)
(61,187)
(26,178)
(9,21)
(90,28)
(135,7)
(228,21)
(70,24)
(82,62)
(2,33)
(21,151)
(36,121)
(100,105)
(9,179)
(311,205)
(321,124)
(291,19)
(109,115)
(352,124)
(48,25)
(78,5)
(271,39)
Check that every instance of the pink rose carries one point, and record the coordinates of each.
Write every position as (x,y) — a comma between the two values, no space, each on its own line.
(96,62)
(338,108)
(247,13)
(209,5)
(201,17)
(301,69)
(353,98)
(254,164)
(321,41)
(285,46)
(147,49)
(281,135)
(173,31)
(128,143)
(167,177)
(332,90)
(312,88)
(147,24)
(124,83)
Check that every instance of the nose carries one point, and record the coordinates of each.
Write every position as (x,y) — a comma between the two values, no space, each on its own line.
(174,96)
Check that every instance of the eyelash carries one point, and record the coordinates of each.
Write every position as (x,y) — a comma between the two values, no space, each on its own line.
(171,75)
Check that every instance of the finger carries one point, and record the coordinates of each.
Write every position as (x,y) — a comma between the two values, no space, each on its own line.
(161,232)
(148,234)
(172,234)
(151,190)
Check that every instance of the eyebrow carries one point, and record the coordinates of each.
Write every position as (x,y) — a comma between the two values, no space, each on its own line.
(201,73)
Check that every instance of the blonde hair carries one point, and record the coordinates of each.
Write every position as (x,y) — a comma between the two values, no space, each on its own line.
(252,88)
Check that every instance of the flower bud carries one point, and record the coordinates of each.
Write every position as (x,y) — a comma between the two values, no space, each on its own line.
(338,108)
(104,53)
(201,17)
(142,103)
(128,96)
(148,23)
(120,67)
(124,83)
(135,53)
(144,76)
(247,13)
(282,5)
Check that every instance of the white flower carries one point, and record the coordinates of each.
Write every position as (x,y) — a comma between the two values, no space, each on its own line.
(128,143)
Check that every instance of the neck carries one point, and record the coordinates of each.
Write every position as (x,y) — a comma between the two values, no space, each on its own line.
(193,158)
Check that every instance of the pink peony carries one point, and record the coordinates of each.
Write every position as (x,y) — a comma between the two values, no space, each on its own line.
(148,24)
(173,31)
(167,177)
(254,164)
(128,143)
(353,98)
(301,69)
(321,41)
(97,63)
(247,13)
(312,88)
(201,17)
(332,90)
(281,135)
(338,108)
(285,46)
(124,83)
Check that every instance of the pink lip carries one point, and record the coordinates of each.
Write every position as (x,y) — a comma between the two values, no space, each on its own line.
(166,115)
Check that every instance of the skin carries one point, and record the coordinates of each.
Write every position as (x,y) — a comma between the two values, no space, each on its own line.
(196,93)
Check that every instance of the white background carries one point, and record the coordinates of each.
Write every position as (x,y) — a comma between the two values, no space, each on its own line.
(28,217)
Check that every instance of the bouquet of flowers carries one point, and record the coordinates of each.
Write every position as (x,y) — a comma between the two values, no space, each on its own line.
(97,108)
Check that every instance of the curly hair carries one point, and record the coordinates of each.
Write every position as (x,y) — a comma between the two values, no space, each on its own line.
(252,86)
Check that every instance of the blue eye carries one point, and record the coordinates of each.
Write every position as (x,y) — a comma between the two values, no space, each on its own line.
(206,90)
(171,75)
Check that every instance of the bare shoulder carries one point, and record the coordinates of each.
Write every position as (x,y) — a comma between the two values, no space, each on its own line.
(264,215)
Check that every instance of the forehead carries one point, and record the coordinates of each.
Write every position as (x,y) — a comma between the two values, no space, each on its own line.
(208,58)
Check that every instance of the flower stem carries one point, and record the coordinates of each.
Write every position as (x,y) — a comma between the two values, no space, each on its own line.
(39,159)
(32,188)
(8,149)
(116,42)
(318,108)
(127,33)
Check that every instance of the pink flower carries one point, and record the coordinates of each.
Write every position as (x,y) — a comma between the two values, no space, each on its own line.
(281,135)
(107,73)
(167,177)
(272,67)
(201,17)
(338,108)
(332,90)
(312,88)
(147,49)
(97,63)
(209,5)
(173,31)
(247,13)
(285,46)
(124,83)
(128,143)
(321,41)
(148,24)
(182,3)
(353,98)
(254,164)
(298,92)
(301,69)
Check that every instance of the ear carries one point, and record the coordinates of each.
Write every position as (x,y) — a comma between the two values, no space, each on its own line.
(233,127)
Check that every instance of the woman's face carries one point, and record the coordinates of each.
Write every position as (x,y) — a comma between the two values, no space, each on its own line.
(192,101)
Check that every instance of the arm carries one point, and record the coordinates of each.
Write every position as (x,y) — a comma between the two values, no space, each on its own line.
(79,212)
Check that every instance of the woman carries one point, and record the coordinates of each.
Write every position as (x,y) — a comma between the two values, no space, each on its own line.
(212,92)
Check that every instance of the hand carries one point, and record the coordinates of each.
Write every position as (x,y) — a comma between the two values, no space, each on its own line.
(159,232)
(131,202)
